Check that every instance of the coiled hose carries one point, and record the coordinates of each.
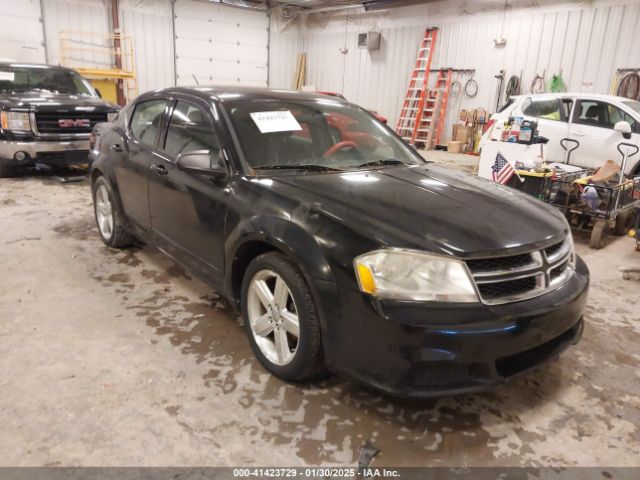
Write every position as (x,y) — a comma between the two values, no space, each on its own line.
(537,85)
(630,86)
(513,87)
(471,88)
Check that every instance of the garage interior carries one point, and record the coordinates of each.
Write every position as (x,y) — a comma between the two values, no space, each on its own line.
(125,358)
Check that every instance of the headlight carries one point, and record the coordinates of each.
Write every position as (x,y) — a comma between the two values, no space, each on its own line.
(15,121)
(411,275)
(572,255)
(112,116)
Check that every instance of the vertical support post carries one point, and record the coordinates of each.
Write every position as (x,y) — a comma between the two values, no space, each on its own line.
(173,37)
(115,23)
(44,33)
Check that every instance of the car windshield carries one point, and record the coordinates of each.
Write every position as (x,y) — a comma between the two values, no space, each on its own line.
(20,79)
(318,135)
(633,104)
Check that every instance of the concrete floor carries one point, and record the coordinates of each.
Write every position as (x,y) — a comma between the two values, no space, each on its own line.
(114,357)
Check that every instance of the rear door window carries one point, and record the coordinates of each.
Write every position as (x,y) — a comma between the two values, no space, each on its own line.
(548,108)
(190,129)
(146,120)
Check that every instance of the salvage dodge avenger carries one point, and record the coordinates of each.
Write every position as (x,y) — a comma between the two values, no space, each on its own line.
(340,245)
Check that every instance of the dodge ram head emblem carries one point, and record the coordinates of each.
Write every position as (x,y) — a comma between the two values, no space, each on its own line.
(78,123)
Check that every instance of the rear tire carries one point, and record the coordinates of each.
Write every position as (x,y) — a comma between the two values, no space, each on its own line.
(281,318)
(110,219)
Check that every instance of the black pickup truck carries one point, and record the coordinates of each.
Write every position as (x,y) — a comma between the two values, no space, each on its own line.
(46,115)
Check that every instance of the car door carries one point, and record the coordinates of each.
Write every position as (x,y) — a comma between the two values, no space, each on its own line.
(592,126)
(552,115)
(136,151)
(188,210)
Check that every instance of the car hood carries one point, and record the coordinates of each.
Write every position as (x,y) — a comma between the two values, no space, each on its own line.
(430,208)
(46,101)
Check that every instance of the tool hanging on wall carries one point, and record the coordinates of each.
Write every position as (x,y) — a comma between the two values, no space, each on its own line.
(500,78)
(471,87)
(556,84)
(538,83)
(629,86)
(513,87)
(411,125)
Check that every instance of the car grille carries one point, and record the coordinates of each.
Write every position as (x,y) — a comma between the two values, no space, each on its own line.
(513,278)
(65,123)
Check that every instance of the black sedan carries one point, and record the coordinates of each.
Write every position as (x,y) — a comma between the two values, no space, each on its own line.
(343,249)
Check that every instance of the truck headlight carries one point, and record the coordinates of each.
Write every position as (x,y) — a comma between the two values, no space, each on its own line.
(412,275)
(112,116)
(15,121)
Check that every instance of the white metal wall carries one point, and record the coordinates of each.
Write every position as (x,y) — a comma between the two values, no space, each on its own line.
(150,25)
(77,16)
(586,43)
(21,34)
(219,44)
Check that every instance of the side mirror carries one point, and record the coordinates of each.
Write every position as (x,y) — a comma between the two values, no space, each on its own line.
(98,92)
(202,162)
(624,128)
(543,140)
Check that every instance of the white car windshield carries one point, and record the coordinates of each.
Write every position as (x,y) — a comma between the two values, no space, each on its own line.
(633,104)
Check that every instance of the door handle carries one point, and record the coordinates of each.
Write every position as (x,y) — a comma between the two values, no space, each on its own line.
(159,169)
(116,147)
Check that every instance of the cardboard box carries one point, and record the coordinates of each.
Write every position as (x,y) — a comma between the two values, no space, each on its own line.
(462,133)
(455,146)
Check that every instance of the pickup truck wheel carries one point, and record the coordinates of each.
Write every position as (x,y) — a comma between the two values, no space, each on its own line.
(6,170)
(281,318)
(109,218)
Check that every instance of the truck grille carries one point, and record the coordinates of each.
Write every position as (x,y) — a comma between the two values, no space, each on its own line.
(513,278)
(63,123)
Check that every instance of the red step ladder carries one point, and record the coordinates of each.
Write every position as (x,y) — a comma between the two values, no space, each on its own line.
(442,88)
(411,125)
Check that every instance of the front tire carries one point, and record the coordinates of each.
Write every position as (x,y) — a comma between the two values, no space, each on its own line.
(109,217)
(281,318)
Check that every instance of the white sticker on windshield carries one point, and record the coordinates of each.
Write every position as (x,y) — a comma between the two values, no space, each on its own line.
(7,76)
(278,121)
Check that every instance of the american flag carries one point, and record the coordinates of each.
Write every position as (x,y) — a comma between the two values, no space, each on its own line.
(502,170)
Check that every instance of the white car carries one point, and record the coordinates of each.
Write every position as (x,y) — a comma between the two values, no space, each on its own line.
(587,118)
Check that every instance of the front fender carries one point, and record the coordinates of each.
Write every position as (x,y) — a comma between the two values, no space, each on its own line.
(285,235)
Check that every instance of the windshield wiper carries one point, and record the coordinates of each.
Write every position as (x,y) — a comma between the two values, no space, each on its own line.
(388,161)
(319,168)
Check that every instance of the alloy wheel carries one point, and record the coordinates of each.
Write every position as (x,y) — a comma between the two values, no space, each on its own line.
(273,317)
(104,212)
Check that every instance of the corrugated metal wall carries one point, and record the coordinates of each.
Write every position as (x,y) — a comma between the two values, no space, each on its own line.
(77,16)
(586,43)
(220,44)
(149,23)
(21,34)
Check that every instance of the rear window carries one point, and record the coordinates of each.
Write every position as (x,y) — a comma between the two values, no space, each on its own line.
(146,119)
(510,101)
(549,108)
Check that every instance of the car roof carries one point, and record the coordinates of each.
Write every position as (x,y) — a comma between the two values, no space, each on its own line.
(44,66)
(227,93)
(594,96)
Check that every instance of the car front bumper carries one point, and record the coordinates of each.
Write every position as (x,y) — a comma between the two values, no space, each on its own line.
(72,151)
(414,349)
